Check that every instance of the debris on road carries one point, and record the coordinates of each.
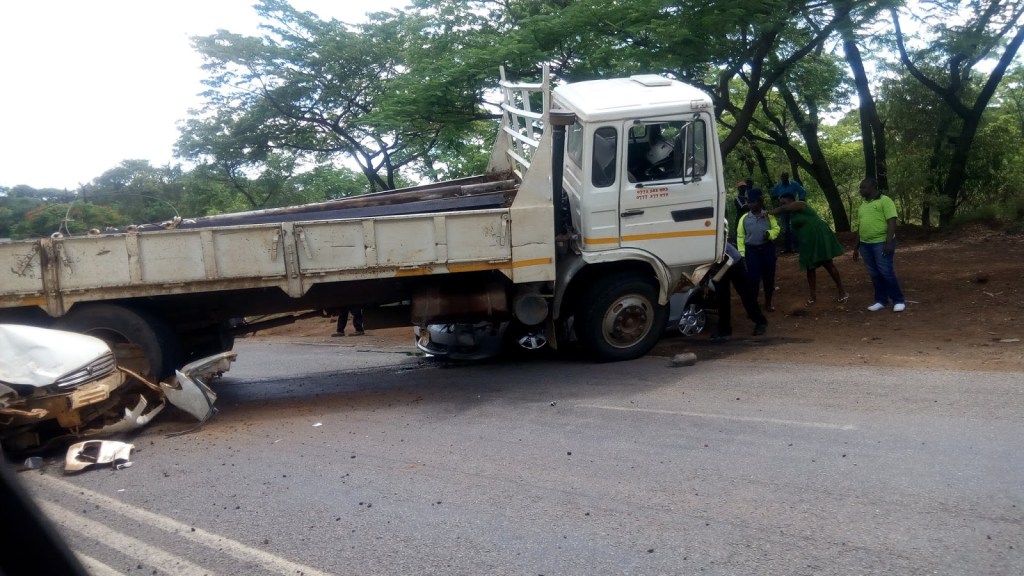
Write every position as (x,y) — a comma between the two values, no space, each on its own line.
(91,452)
(684,359)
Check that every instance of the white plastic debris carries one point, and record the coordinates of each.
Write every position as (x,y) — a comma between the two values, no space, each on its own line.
(85,454)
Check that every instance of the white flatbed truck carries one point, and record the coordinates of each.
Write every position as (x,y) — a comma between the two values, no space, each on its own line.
(596,206)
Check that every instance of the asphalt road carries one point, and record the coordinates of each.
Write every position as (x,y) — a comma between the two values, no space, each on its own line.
(361,462)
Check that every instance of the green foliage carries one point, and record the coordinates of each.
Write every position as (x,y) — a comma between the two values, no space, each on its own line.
(460,158)
(981,214)
(1015,215)
(12,210)
(329,183)
(73,218)
(137,190)
(320,91)
(205,192)
(312,109)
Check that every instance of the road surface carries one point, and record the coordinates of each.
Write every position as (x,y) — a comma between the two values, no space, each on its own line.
(350,461)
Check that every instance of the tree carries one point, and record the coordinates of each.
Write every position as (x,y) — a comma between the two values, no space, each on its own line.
(991,31)
(411,91)
(872,129)
(810,86)
(72,218)
(20,202)
(329,183)
(312,90)
(137,190)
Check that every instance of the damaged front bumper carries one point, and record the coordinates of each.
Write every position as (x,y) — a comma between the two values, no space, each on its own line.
(120,402)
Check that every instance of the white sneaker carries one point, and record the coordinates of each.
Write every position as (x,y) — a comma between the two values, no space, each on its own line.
(900,307)
(876,307)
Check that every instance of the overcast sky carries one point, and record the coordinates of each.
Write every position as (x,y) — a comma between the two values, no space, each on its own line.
(87,84)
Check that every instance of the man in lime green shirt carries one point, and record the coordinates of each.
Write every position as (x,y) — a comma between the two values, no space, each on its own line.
(876,225)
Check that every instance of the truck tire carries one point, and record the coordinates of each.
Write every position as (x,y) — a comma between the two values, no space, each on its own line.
(206,341)
(141,342)
(620,318)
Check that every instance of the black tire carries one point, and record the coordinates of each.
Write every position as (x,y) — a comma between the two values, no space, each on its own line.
(620,318)
(141,342)
(207,341)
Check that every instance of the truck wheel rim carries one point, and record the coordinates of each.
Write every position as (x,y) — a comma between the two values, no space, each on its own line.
(533,341)
(693,320)
(627,321)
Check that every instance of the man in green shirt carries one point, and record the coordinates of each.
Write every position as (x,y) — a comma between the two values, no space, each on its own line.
(876,224)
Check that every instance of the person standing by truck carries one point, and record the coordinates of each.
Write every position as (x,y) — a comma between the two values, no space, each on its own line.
(737,209)
(357,321)
(876,229)
(755,240)
(736,277)
(820,245)
(790,240)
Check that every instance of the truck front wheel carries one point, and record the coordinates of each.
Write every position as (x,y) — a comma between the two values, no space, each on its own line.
(620,318)
(140,341)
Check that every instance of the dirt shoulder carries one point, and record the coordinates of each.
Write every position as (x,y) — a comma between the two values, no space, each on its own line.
(965,311)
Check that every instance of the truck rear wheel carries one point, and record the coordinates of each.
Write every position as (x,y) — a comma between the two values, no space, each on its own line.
(620,318)
(206,341)
(141,342)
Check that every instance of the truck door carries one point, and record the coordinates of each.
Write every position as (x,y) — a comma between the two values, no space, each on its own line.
(668,201)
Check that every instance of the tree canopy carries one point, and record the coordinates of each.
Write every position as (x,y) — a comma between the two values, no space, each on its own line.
(925,96)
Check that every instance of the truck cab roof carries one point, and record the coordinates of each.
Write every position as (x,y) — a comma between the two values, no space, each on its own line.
(622,98)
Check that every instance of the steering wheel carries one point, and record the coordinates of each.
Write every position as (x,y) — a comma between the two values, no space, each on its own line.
(657,171)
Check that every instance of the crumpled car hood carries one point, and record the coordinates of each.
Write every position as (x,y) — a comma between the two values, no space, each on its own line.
(38,357)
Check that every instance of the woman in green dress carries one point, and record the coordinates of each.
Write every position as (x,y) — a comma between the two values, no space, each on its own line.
(818,245)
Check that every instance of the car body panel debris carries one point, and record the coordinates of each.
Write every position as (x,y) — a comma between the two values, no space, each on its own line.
(91,452)
(192,394)
(57,387)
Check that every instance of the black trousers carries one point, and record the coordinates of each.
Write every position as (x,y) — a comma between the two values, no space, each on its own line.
(736,277)
(760,261)
(357,319)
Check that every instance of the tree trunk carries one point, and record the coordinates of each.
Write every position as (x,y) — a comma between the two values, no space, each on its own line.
(871,127)
(958,170)
(762,165)
(808,126)
(935,161)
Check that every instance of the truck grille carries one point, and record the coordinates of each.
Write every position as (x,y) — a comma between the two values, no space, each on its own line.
(95,370)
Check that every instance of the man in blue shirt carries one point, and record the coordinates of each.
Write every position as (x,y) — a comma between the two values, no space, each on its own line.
(790,242)
(755,236)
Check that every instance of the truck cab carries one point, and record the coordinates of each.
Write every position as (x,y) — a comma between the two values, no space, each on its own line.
(641,170)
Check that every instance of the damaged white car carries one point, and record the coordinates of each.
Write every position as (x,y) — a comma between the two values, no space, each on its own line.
(57,386)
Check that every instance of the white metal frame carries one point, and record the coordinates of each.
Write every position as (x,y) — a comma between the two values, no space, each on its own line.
(520,124)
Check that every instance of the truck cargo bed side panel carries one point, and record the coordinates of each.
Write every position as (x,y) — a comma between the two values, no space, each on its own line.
(382,247)
(23,273)
(170,257)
